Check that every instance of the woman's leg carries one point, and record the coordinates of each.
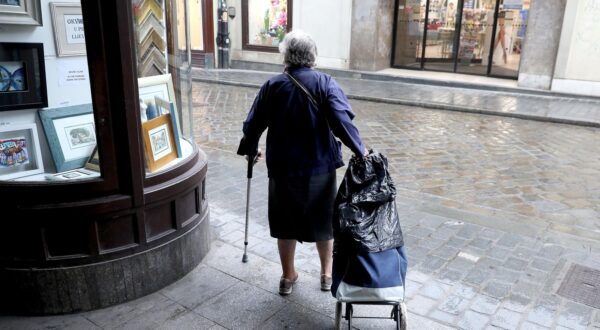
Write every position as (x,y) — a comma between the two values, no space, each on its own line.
(325,249)
(287,250)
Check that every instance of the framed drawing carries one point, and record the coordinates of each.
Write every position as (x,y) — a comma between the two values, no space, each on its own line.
(23,12)
(159,142)
(20,153)
(22,76)
(71,135)
(265,23)
(67,22)
(165,107)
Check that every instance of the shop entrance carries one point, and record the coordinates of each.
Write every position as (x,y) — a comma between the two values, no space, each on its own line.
(482,37)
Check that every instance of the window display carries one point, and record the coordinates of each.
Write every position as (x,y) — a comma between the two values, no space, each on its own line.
(62,133)
(265,22)
(164,83)
(489,41)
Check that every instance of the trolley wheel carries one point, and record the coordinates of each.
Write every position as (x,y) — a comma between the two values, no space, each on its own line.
(349,312)
(401,319)
(338,315)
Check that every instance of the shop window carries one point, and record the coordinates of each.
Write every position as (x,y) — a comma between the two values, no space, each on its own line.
(165,90)
(482,37)
(47,122)
(265,23)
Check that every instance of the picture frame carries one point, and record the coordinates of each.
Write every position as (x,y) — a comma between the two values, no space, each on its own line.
(67,22)
(165,107)
(21,12)
(20,153)
(22,76)
(159,142)
(76,174)
(93,163)
(161,86)
(265,24)
(71,135)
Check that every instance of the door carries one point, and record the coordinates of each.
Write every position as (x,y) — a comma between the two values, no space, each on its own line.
(202,33)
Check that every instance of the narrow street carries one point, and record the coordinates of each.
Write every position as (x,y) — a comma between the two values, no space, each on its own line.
(495,210)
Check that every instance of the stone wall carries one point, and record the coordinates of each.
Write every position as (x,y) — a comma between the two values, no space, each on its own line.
(540,49)
(371,35)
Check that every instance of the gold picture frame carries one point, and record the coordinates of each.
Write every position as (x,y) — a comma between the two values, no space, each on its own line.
(159,142)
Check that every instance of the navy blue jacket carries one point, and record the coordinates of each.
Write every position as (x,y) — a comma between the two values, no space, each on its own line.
(299,140)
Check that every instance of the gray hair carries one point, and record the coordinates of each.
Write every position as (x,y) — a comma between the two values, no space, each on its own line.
(298,49)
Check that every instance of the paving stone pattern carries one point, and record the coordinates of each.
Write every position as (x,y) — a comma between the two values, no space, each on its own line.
(471,274)
(489,207)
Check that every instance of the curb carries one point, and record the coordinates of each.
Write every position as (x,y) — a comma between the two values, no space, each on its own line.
(429,105)
(366,75)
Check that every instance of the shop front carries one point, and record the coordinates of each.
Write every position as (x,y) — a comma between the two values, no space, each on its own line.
(481,37)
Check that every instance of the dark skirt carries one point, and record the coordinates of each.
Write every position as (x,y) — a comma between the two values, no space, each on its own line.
(301,208)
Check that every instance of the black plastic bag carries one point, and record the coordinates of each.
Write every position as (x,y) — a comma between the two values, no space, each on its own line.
(365,217)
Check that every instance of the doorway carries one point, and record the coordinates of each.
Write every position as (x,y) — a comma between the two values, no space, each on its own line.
(481,37)
(202,33)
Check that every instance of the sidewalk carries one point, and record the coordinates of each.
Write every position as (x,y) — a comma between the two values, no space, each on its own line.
(496,213)
(379,87)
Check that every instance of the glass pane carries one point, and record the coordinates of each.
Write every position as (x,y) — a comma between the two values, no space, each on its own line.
(475,36)
(48,72)
(510,34)
(267,22)
(409,33)
(164,71)
(439,48)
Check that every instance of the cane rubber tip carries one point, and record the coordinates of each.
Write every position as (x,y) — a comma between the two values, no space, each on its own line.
(245,258)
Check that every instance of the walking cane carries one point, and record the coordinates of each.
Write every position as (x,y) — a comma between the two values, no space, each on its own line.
(251,161)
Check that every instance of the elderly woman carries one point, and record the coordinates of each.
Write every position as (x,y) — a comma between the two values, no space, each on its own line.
(301,108)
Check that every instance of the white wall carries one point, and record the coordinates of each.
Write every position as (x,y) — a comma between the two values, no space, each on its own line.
(58,96)
(328,22)
(578,61)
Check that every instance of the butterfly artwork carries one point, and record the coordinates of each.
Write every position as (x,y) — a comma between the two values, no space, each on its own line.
(12,76)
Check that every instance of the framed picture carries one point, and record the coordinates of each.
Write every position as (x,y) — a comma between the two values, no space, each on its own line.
(77,174)
(160,86)
(23,12)
(165,107)
(93,163)
(265,23)
(19,151)
(159,142)
(67,22)
(71,135)
(22,76)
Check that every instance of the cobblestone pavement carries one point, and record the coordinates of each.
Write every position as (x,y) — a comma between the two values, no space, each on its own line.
(495,212)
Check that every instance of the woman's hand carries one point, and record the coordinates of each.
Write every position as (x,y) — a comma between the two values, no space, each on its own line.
(258,156)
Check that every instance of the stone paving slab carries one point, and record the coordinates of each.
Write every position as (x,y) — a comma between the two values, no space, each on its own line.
(525,176)
(471,265)
(561,109)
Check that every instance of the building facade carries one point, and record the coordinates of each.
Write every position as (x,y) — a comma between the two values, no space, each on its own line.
(546,45)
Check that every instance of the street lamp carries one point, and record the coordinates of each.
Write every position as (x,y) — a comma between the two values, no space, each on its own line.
(223,41)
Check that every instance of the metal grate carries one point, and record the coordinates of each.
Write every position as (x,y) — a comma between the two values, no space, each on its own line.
(582,284)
